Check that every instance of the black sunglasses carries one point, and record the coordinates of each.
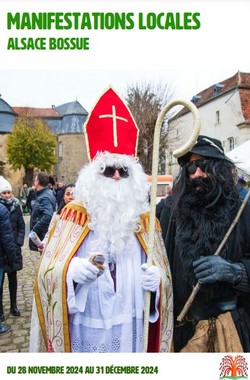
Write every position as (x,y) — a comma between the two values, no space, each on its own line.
(110,172)
(193,165)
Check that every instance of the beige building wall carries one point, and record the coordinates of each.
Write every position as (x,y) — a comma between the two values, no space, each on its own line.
(71,157)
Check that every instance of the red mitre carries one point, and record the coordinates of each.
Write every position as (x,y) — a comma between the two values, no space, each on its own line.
(111,127)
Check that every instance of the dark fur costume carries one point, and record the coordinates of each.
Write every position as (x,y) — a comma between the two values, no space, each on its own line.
(199,215)
(204,209)
(200,229)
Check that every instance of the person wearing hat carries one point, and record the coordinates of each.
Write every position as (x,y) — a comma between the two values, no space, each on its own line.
(7,246)
(89,290)
(18,226)
(203,206)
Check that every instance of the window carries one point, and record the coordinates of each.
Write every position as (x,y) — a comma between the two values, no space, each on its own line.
(230,143)
(60,149)
(195,98)
(217,115)
(217,88)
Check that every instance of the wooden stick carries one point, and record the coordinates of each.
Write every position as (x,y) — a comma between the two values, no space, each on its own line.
(197,286)
(186,148)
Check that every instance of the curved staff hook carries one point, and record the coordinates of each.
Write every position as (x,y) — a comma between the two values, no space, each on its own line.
(177,153)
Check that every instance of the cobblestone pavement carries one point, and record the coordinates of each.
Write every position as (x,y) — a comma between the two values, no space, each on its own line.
(17,340)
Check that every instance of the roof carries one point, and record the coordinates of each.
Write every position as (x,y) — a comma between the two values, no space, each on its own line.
(240,81)
(6,122)
(245,104)
(5,107)
(72,124)
(36,112)
(64,119)
(7,117)
(71,108)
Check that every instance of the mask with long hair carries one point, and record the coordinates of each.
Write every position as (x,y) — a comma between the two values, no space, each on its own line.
(114,206)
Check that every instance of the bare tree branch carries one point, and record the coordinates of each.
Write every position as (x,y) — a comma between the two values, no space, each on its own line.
(145,101)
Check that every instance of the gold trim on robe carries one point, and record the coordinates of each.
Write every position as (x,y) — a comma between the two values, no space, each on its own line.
(51,289)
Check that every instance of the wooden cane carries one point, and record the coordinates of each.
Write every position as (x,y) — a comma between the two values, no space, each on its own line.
(177,153)
(198,285)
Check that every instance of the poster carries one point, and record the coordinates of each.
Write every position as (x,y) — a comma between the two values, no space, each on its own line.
(75,50)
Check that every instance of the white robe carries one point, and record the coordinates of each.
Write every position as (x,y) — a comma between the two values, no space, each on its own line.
(102,319)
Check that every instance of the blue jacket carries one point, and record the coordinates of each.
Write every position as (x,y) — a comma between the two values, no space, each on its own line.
(42,213)
(242,191)
(7,243)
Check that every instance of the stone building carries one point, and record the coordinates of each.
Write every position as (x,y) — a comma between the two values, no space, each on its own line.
(66,122)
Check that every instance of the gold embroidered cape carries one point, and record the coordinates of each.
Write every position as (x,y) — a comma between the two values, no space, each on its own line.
(51,290)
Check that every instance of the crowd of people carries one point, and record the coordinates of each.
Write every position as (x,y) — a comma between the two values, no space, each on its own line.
(38,201)
(94,274)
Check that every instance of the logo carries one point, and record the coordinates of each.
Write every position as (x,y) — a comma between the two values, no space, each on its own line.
(233,367)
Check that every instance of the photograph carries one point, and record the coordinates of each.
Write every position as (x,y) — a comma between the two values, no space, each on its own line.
(124,188)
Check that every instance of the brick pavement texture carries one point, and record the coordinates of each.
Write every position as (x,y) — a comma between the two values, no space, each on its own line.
(17,340)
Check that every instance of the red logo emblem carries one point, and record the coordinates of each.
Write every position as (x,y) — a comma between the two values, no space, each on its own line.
(233,367)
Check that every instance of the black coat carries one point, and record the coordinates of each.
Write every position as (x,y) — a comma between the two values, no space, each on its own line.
(18,227)
(238,246)
(42,212)
(7,243)
(31,199)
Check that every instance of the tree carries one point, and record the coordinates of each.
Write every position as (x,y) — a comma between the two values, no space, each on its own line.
(31,145)
(233,366)
(145,101)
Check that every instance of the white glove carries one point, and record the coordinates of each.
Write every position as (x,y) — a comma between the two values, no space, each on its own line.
(82,271)
(150,278)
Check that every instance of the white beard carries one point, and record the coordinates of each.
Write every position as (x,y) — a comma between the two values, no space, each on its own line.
(114,206)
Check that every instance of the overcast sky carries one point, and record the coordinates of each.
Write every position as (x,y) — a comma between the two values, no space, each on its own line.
(46,88)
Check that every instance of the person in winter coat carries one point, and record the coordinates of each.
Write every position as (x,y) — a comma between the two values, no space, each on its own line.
(7,251)
(204,204)
(68,196)
(18,226)
(31,198)
(43,209)
(23,195)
